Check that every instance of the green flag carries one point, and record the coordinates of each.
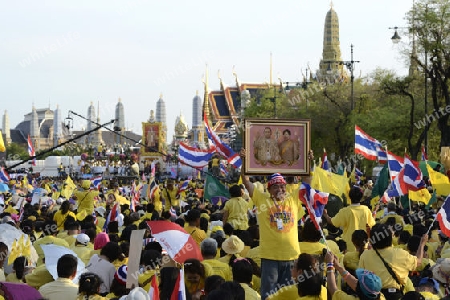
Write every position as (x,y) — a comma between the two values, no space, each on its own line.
(432,200)
(214,188)
(382,182)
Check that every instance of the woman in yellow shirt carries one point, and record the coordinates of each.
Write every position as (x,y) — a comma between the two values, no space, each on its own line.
(62,214)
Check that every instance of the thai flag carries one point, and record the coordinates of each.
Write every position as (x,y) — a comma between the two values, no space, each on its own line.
(4,177)
(215,142)
(112,216)
(382,154)
(325,162)
(365,144)
(153,292)
(96,181)
(194,157)
(409,178)
(315,202)
(179,292)
(173,172)
(358,174)
(184,186)
(31,152)
(173,212)
(153,169)
(444,218)
(135,196)
(223,169)
(385,199)
(95,218)
(151,189)
(424,154)
(395,164)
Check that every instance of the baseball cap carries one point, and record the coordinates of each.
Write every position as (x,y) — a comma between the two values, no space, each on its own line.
(83,238)
(369,283)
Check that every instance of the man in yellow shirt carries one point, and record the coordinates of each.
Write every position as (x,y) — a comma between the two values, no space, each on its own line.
(278,214)
(399,260)
(85,198)
(391,208)
(193,228)
(209,251)
(169,194)
(236,209)
(63,287)
(351,218)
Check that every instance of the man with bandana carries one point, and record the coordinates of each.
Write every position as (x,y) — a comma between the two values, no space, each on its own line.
(278,213)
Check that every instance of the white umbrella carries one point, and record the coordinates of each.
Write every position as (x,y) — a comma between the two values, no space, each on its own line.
(53,253)
(9,233)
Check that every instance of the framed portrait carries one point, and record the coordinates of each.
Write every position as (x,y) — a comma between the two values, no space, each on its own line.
(151,138)
(277,146)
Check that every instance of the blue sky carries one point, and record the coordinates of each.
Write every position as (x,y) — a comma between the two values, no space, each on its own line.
(69,53)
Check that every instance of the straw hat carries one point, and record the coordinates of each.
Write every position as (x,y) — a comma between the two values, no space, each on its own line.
(233,245)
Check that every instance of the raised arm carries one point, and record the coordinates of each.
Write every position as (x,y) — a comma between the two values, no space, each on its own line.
(248,185)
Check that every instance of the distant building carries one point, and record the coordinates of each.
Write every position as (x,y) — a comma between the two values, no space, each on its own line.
(40,125)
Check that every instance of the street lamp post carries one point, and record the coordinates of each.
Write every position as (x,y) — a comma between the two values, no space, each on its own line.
(395,39)
(350,64)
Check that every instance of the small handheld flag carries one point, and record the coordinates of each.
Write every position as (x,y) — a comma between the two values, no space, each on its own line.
(31,152)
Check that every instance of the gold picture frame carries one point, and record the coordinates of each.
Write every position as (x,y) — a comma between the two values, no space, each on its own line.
(277,146)
(152,139)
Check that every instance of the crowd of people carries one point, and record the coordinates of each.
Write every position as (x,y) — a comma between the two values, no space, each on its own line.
(260,244)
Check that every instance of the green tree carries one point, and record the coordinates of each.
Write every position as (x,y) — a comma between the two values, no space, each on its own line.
(16,151)
(429,23)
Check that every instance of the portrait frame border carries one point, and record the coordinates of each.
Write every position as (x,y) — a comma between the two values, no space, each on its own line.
(302,124)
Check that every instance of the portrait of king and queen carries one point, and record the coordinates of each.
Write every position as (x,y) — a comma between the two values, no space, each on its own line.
(152,137)
(275,146)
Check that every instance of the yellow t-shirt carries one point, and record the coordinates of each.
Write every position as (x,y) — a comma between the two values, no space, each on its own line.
(250,294)
(430,296)
(13,278)
(146,216)
(237,209)
(170,198)
(146,278)
(219,268)
(197,234)
(351,260)
(351,218)
(340,295)
(85,200)
(38,277)
(285,238)
(315,248)
(291,292)
(398,218)
(60,218)
(254,254)
(400,261)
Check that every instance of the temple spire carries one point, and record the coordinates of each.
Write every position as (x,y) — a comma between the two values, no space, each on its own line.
(206,96)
